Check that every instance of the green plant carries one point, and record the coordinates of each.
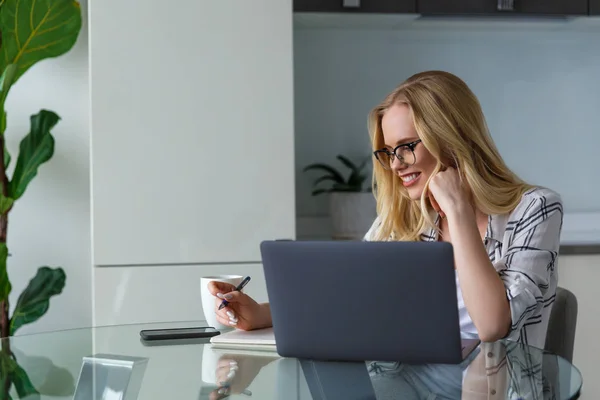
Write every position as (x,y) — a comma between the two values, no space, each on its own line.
(31,31)
(355,182)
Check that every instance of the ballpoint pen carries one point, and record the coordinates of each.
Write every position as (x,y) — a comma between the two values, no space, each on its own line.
(239,287)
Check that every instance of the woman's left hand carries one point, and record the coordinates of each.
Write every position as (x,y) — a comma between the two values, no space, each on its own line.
(447,193)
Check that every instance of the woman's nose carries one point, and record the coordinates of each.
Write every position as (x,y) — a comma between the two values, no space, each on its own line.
(398,165)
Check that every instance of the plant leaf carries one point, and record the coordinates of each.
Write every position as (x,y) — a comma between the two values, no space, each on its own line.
(23,385)
(347,163)
(356,180)
(324,178)
(6,157)
(36,148)
(49,379)
(6,203)
(36,30)
(5,286)
(7,364)
(35,299)
(345,188)
(317,192)
(335,174)
(6,81)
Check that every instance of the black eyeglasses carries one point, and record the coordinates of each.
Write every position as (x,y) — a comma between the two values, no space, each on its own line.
(404,152)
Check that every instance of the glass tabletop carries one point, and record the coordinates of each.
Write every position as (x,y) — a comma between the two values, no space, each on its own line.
(113,362)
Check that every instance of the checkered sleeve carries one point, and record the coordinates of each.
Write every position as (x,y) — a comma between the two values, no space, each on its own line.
(528,266)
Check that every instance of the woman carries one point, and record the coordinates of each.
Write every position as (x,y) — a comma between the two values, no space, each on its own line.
(439,176)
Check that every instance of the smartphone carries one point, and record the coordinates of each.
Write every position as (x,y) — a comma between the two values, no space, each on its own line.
(178,333)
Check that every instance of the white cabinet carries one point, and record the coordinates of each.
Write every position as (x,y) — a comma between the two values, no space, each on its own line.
(192,130)
(161,293)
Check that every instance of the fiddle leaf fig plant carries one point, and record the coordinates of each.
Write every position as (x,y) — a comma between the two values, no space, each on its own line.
(30,31)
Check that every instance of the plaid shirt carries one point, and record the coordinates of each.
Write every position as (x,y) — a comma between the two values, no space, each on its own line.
(523,247)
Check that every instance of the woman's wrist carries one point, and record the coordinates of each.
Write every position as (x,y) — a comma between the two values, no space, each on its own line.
(461,212)
(265,311)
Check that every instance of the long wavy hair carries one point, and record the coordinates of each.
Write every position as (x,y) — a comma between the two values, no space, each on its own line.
(450,123)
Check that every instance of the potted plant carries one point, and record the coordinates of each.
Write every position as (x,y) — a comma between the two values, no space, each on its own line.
(30,32)
(351,202)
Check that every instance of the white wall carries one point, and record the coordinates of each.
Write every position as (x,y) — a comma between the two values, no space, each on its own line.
(537,82)
(50,224)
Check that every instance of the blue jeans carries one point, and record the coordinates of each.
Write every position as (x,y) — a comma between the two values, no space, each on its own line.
(393,381)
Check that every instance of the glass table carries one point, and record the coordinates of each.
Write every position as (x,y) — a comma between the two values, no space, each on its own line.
(113,362)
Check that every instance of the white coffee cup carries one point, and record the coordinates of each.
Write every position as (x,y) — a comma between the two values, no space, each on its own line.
(208,300)
(210,360)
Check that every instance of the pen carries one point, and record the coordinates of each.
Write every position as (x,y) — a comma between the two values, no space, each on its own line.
(239,287)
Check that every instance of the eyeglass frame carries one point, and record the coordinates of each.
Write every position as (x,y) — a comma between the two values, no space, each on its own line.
(411,146)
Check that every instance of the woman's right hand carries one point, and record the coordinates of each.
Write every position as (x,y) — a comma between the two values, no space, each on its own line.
(242,312)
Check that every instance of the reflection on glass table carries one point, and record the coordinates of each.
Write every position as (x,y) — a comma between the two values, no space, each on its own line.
(57,365)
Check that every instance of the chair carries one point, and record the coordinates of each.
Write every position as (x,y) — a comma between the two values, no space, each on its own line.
(560,338)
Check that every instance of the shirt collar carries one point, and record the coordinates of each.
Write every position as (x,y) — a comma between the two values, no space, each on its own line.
(429,234)
(496,227)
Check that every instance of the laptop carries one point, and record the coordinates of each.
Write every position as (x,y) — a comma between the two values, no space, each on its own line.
(364,301)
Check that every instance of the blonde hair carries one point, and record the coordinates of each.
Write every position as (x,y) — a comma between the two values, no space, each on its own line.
(450,123)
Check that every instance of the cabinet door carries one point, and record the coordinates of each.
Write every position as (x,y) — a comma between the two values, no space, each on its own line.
(192,130)
(360,6)
(595,7)
(548,7)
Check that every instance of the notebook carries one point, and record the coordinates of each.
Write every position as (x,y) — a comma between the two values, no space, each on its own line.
(259,339)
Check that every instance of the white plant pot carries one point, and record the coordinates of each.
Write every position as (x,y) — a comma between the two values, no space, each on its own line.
(352,214)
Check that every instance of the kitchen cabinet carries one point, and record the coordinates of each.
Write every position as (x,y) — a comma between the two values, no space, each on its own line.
(191,132)
(504,7)
(359,6)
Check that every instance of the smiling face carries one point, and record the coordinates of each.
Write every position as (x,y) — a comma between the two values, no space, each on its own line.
(398,128)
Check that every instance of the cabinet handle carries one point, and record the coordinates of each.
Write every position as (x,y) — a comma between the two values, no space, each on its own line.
(506,5)
(354,3)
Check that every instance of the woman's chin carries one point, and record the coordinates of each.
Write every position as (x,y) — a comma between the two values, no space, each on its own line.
(414,188)
(415,193)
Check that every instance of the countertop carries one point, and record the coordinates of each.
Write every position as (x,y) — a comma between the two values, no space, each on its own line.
(579,249)
(580,234)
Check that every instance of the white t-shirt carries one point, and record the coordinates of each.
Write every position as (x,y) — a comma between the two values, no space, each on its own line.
(467,327)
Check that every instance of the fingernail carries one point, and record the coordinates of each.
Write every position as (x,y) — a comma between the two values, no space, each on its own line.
(232,362)
(228,296)
(230,314)
(220,295)
(232,322)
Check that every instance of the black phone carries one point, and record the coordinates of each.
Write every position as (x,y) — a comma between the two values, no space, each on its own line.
(179,333)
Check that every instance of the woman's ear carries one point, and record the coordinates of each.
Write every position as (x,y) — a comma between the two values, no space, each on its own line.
(448,164)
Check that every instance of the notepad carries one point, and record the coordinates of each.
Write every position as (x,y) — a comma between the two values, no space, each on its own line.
(258,339)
